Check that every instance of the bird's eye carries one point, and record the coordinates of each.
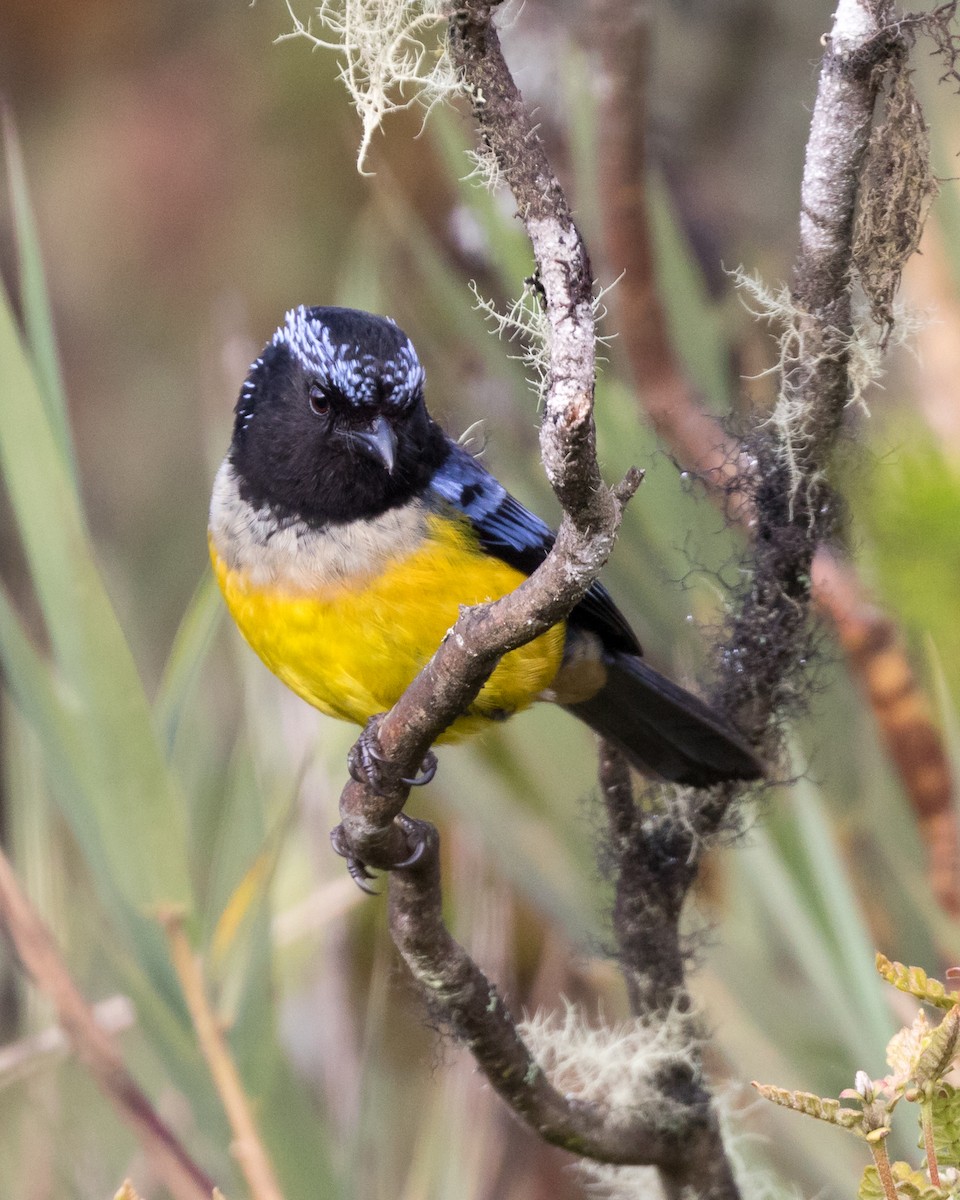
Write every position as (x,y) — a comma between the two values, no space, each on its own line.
(319,400)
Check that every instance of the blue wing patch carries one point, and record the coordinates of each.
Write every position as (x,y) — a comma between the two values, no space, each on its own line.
(513,534)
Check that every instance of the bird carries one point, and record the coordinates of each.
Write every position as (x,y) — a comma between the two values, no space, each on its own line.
(347,530)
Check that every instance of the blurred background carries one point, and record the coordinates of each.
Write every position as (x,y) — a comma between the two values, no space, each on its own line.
(191,180)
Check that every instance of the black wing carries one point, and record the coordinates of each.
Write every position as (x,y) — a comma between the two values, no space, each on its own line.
(513,534)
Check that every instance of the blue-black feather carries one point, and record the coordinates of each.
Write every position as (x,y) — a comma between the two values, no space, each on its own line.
(510,532)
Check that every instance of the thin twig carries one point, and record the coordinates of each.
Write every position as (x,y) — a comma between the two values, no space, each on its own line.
(41,960)
(248,1147)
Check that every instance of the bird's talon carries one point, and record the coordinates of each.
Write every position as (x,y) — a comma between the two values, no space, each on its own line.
(428,768)
(414,833)
(361,876)
(365,759)
(356,867)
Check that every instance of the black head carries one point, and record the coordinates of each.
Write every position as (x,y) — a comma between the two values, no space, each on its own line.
(331,424)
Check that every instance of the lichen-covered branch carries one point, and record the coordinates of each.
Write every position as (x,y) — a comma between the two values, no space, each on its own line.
(456,673)
(795,510)
(791,508)
(459,994)
(620,33)
(664,1131)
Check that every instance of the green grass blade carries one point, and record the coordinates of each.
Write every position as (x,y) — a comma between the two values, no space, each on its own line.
(137,813)
(845,925)
(73,784)
(195,636)
(776,893)
(35,302)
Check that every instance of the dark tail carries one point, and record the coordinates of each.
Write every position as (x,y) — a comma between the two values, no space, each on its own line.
(663,729)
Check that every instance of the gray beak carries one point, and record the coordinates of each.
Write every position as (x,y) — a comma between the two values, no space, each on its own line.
(379,441)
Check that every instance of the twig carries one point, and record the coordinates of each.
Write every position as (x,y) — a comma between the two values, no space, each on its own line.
(454,676)
(41,960)
(469,1004)
(248,1148)
(875,652)
(114,1015)
(650,884)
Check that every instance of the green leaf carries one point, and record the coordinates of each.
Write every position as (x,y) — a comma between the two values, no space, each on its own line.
(35,303)
(812,1105)
(195,636)
(945,1106)
(916,982)
(911,1184)
(75,787)
(940,1050)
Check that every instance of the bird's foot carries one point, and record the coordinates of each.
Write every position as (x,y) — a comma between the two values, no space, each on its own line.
(356,867)
(417,835)
(365,761)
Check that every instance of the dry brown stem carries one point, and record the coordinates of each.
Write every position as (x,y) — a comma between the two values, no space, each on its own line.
(879,662)
(41,960)
(248,1148)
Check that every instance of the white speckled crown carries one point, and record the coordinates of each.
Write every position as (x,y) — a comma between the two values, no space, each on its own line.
(342,365)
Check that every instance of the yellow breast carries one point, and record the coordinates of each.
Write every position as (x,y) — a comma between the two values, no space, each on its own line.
(351,647)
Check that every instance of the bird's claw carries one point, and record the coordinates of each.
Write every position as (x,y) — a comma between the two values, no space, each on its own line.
(428,768)
(414,831)
(365,761)
(357,868)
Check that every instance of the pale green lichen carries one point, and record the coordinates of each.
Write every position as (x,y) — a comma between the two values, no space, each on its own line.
(393,55)
(526,324)
(804,344)
(612,1065)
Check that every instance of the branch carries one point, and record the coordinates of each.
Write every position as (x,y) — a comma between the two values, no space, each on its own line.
(651,879)
(41,960)
(794,510)
(875,652)
(459,993)
(660,1133)
(456,673)
(659,858)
